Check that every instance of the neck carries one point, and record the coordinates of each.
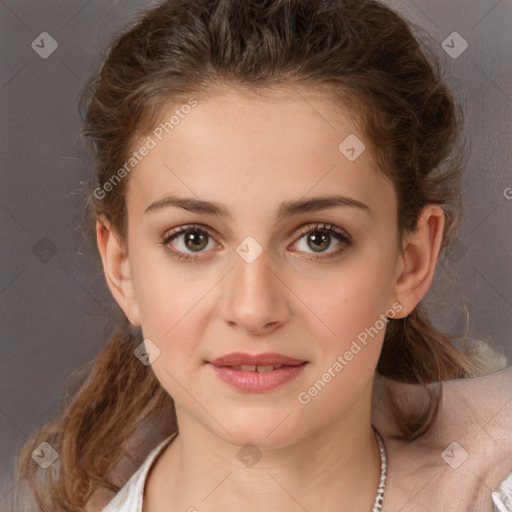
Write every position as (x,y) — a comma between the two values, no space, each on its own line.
(334,468)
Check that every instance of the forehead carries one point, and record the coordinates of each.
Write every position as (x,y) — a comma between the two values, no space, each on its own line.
(234,146)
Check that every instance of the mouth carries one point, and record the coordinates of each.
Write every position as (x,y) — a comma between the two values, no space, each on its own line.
(259,368)
(239,359)
(257,373)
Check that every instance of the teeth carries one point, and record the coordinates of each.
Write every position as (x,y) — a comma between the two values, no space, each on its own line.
(259,369)
(266,368)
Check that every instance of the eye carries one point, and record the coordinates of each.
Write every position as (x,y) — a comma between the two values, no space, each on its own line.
(319,237)
(195,238)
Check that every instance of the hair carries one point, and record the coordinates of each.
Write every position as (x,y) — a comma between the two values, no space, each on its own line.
(367,58)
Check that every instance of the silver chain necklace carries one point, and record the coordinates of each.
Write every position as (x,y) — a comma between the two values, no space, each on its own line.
(377,506)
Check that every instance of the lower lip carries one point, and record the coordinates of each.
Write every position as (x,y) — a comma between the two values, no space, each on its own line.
(255,382)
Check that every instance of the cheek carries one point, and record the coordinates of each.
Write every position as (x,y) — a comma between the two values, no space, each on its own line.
(352,330)
(351,298)
(169,301)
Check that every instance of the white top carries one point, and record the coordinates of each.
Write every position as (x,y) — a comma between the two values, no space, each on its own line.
(129,498)
(483,401)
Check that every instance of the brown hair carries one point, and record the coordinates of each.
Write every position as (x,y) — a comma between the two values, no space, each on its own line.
(367,58)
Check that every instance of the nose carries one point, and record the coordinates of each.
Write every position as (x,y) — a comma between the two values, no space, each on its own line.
(255,297)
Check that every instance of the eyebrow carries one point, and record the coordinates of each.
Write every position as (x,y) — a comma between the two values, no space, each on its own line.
(286,208)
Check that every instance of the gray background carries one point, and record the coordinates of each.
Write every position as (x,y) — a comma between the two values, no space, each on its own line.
(55,308)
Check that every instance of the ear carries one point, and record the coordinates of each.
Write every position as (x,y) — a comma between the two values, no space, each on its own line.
(419,257)
(116,266)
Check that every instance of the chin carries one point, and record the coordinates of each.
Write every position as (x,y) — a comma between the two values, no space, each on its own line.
(265,428)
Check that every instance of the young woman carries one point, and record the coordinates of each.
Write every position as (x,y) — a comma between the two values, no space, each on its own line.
(276,182)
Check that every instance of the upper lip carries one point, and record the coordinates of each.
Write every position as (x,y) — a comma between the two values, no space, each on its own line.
(240,358)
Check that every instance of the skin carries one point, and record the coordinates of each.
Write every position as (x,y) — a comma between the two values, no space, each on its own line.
(250,154)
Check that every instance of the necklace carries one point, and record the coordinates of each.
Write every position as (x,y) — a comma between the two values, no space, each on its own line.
(380,491)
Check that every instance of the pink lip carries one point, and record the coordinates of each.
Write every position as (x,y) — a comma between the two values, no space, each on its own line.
(254,381)
(241,358)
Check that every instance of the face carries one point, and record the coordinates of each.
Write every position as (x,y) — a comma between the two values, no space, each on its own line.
(266,276)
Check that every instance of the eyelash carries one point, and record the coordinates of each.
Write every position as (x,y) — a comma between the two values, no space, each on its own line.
(326,228)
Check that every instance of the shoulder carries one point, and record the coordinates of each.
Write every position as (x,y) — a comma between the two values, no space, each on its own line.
(479,412)
(467,454)
(476,411)
(475,425)
(476,414)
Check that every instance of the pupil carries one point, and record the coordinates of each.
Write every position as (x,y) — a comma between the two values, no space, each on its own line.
(320,239)
(195,237)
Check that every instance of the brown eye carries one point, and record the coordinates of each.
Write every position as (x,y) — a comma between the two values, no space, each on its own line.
(195,240)
(320,237)
(186,240)
(319,240)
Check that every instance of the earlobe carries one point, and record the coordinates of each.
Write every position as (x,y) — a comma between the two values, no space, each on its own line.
(420,254)
(116,267)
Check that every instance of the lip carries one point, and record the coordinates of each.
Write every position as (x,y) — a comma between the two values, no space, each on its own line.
(241,358)
(254,381)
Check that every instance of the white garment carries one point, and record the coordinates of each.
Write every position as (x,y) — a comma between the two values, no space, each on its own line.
(129,498)
(476,413)
(502,498)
